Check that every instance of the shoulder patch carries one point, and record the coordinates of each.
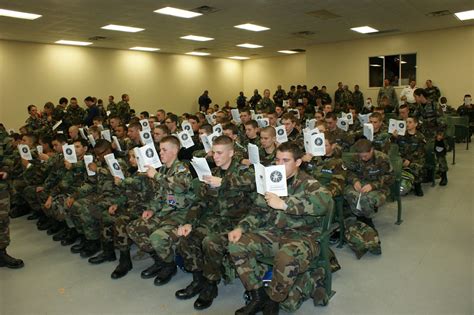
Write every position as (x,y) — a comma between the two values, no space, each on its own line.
(181,168)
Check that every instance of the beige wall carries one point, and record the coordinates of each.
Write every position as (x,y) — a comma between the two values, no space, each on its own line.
(37,73)
(267,73)
(444,56)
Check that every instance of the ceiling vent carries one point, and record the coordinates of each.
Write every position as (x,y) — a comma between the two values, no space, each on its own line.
(323,15)
(303,33)
(383,32)
(205,9)
(438,13)
(97,38)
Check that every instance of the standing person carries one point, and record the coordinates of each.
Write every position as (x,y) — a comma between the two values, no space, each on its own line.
(433,91)
(204,101)
(279,95)
(387,91)
(34,123)
(123,109)
(241,101)
(338,99)
(255,99)
(266,104)
(358,98)
(5,259)
(112,107)
(74,113)
(408,93)
(92,111)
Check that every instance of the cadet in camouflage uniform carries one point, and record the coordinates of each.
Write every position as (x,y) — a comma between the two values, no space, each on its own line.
(224,200)
(430,115)
(433,92)
(112,107)
(388,91)
(325,97)
(5,259)
(279,95)
(412,151)
(343,139)
(281,227)
(358,98)
(268,146)
(123,108)
(34,123)
(290,122)
(156,231)
(369,178)
(338,97)
(74,114)
(381,140)
(440,147)
(265,105)
(136,189)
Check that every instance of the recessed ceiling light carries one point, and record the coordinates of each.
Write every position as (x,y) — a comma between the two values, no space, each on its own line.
(198,53)
(177,12)
(289,52)
(252,27)
(403,61)
(247,45)
(364,29)
(121,28)
(197,38)
(144,48)
(19,15)
(465,15)
(374,65)
(73,42)
(239,58)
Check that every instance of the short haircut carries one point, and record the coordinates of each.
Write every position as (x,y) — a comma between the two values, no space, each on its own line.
(83,142)
(420,92)
(379,109)
(207,128)
(232,128)
(114,116)
(89,99)
(291,147)
(270,130)
(363,146)
(63,100)
(73,99)
(46,139)
(122,126)
(161,111)
(33,137)
(163,128)
(102,144)
(171,139)
(414,118)
(403,106)
(331,115)
(98,118)
(245,110)
(377,115)
(59,137)
(289,116)
(330,137)
(252,123)
(145,114)
(30,107)
(173,118)
(135,125)
(49,105)
(193,117)
(94,129)
(124,96)
(224,140)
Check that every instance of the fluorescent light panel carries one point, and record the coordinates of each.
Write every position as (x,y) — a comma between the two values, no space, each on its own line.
(375,65)
(177,12)
(73,42)
(247,45)
(19,15)
(364,29)
(121,28)
(252,27)
(465,15)
(144,48)
(289,52)
(197,38)
(198,53)
(239,58)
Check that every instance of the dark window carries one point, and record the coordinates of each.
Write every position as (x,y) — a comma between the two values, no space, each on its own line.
(398,69)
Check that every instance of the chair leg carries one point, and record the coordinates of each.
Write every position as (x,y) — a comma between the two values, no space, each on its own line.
(340,217)
(399,212)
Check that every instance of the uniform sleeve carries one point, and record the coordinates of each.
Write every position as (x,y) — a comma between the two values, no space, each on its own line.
(338,180)
(314,200)
(386,179)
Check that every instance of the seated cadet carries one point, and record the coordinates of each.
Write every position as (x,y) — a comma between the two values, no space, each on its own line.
(381,140)
(155,232)
(319,116)
(73,133)
(186,154)
(369,177)
(412,150)
(381,111)
(223,201)
(403,112)
(329,169)
(133,134)
(356,127)
(137,189)
(171,122)
(159,132)
(272,118)
(120,132)
(284,228)
(232,131)
(343,139)
(95,132)
(251,133)
(290,122)
(114,122)
(268,145)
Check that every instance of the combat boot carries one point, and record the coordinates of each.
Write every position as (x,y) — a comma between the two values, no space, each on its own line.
(444,179)
(167,271)
(194,288)
(108,254)
(208,293)
(418,190)
(44,223)
(34,216)
(125,265)
(70,238)
(258,300)
(55,227)
(61,234)
(8,261)
(152,271)
(271,308)
(91,247)
(76,249)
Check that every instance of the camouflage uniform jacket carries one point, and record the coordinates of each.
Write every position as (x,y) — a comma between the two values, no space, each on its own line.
(123,111)
(266,159)
(112,108)
(306,202)
(137,189)
(266,105)
(433,93)
(358,100)
(75,115)
(71,180)
(343,139)
(381,141)
(34,126)
(330,172)
(377,171)
(412,147)
(431,118)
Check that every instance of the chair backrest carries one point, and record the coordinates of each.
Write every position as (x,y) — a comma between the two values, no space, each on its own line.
(328,218)
(458,120)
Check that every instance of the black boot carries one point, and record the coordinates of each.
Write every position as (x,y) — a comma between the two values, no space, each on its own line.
(8,261)
(271,308)
(418,190)
(44,223)
(55,227)
(208,294)
(34,216)
(165,274)
(18,211)
(367,221)
(61,234)
(152,271)
(70,238)
(258,300)
(194,288)
(90,248)
(76,249)
(444,179)
(108,254)
(125,265)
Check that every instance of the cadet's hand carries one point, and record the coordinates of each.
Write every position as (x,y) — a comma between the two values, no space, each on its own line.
(246,162)
(209,154)
(25,162)
(114,146)
(150,171)
(48,202)
(117,180)
(112,209)
(367,188)
(235,235)
(147,214)
(69,202)
(213,181)
(395,133)
(67,165)
(3,175)
(39,189)
(43,156)
(274,201)
(184,230)
(357,186)
(307,157)
(92,167)
(406,163)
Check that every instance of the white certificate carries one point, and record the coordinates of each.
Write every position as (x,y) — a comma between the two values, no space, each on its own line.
(201,167)
(145,137)
(145,125)
(83,134)
(235,115)
(343,124)
(147,156)
(117,143)
(106,135)
(398,125)
(56,125)
(186,125)
(348,117)
(254,155)
(311,124)
(114,166)
(185,139)
(263,122)
(271,179)
(88,159)
(369,131)
(25,152)
(70,153)
(217,129)
(205,142)
(281,135)
(364,118)
(91,140)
